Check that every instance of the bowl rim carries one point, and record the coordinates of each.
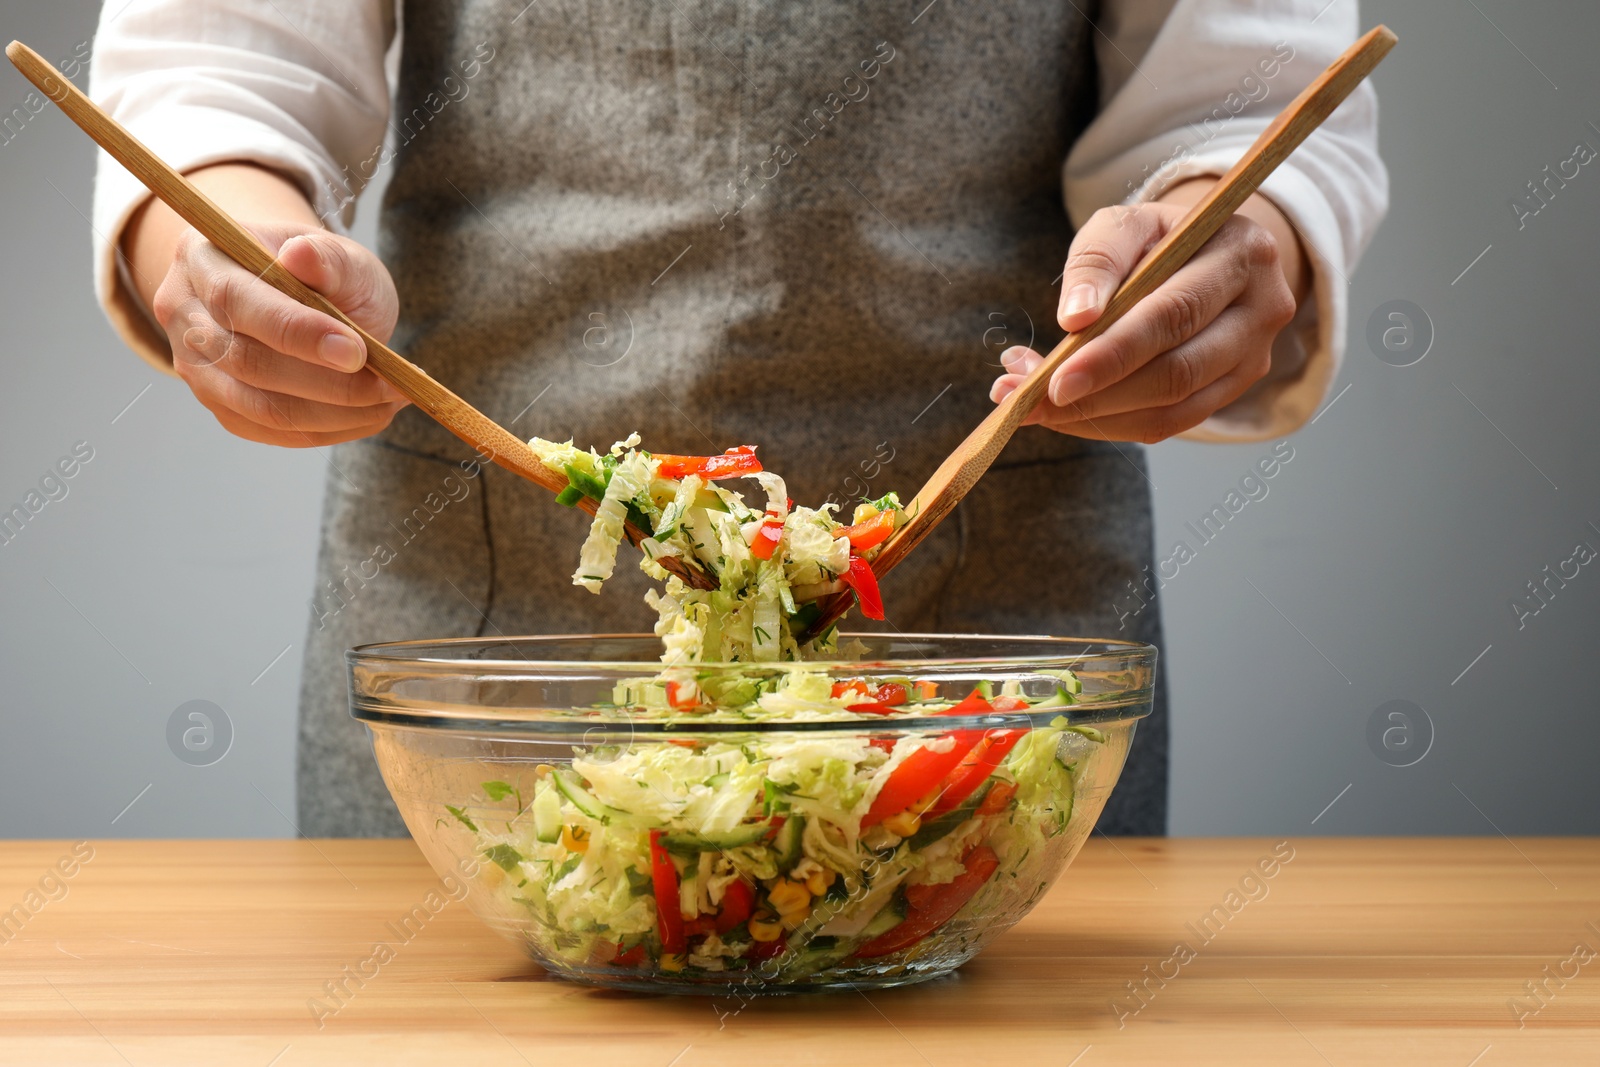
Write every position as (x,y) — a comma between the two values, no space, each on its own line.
(379,652)
(389,658)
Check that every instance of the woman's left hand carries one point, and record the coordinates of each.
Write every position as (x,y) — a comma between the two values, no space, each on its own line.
(1189,348)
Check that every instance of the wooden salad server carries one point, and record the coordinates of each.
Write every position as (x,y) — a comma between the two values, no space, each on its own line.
(493,441)
(956,476)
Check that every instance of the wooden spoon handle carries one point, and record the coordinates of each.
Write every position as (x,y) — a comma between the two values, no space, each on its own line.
(962,468)
(218,227)
(493,441)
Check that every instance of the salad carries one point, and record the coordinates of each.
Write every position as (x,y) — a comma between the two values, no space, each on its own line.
(773,561)
(792,855)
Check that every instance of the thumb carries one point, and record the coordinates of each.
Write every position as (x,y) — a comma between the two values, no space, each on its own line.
(349,275)
(1103,253)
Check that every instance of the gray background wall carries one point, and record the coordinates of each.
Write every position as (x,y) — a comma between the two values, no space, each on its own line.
(1380,566)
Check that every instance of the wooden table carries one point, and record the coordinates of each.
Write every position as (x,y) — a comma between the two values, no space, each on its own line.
(1395,951)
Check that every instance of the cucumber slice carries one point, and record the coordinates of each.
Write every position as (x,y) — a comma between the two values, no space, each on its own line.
(820,953)
(547,815)
(934,829)
(572,788)
(787,844)
(708,500)
(891,915)
(713,841)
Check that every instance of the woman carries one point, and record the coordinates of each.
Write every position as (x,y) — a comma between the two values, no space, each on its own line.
(820,228)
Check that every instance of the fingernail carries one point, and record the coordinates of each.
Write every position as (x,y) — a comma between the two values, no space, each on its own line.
(340,352)
(1011,357)
(1070,387)
(1081,298)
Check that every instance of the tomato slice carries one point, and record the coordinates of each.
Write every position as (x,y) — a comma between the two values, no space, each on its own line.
(879,701)
(664,880)
(733,463)
(865,584)
(937,905)
(631,958)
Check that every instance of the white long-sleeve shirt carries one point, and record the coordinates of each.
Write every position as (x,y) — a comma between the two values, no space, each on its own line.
(301,87)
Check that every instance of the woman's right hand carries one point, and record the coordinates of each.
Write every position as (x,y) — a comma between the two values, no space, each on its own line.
(268,367)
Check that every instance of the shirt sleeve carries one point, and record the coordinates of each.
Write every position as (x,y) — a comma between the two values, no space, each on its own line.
(295,85)
(1186,87)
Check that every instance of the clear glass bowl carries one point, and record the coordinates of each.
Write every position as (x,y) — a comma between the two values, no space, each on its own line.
(556,779)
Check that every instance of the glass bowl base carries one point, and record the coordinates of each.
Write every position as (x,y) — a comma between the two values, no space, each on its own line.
(746,986)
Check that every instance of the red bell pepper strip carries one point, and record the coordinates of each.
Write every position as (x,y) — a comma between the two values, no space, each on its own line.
(664,880)
(918,776)
(737,901)
(996,799)
(631,958)
(919,897)
(936,907)
(766,950)
(924,771)
(683,694)
(733,463)
(868,533)
(974,769)
(861,579)
(768,536)
(886,744)
(974,704)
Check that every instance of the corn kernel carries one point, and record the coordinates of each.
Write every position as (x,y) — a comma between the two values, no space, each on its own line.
(575,838)
(817,883)
(542,770)
(864,511)
(673,961)
(792,920)
(765,928)
(788,897)
(904,825)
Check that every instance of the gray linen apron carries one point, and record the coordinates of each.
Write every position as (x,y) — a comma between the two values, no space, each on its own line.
(805,226)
